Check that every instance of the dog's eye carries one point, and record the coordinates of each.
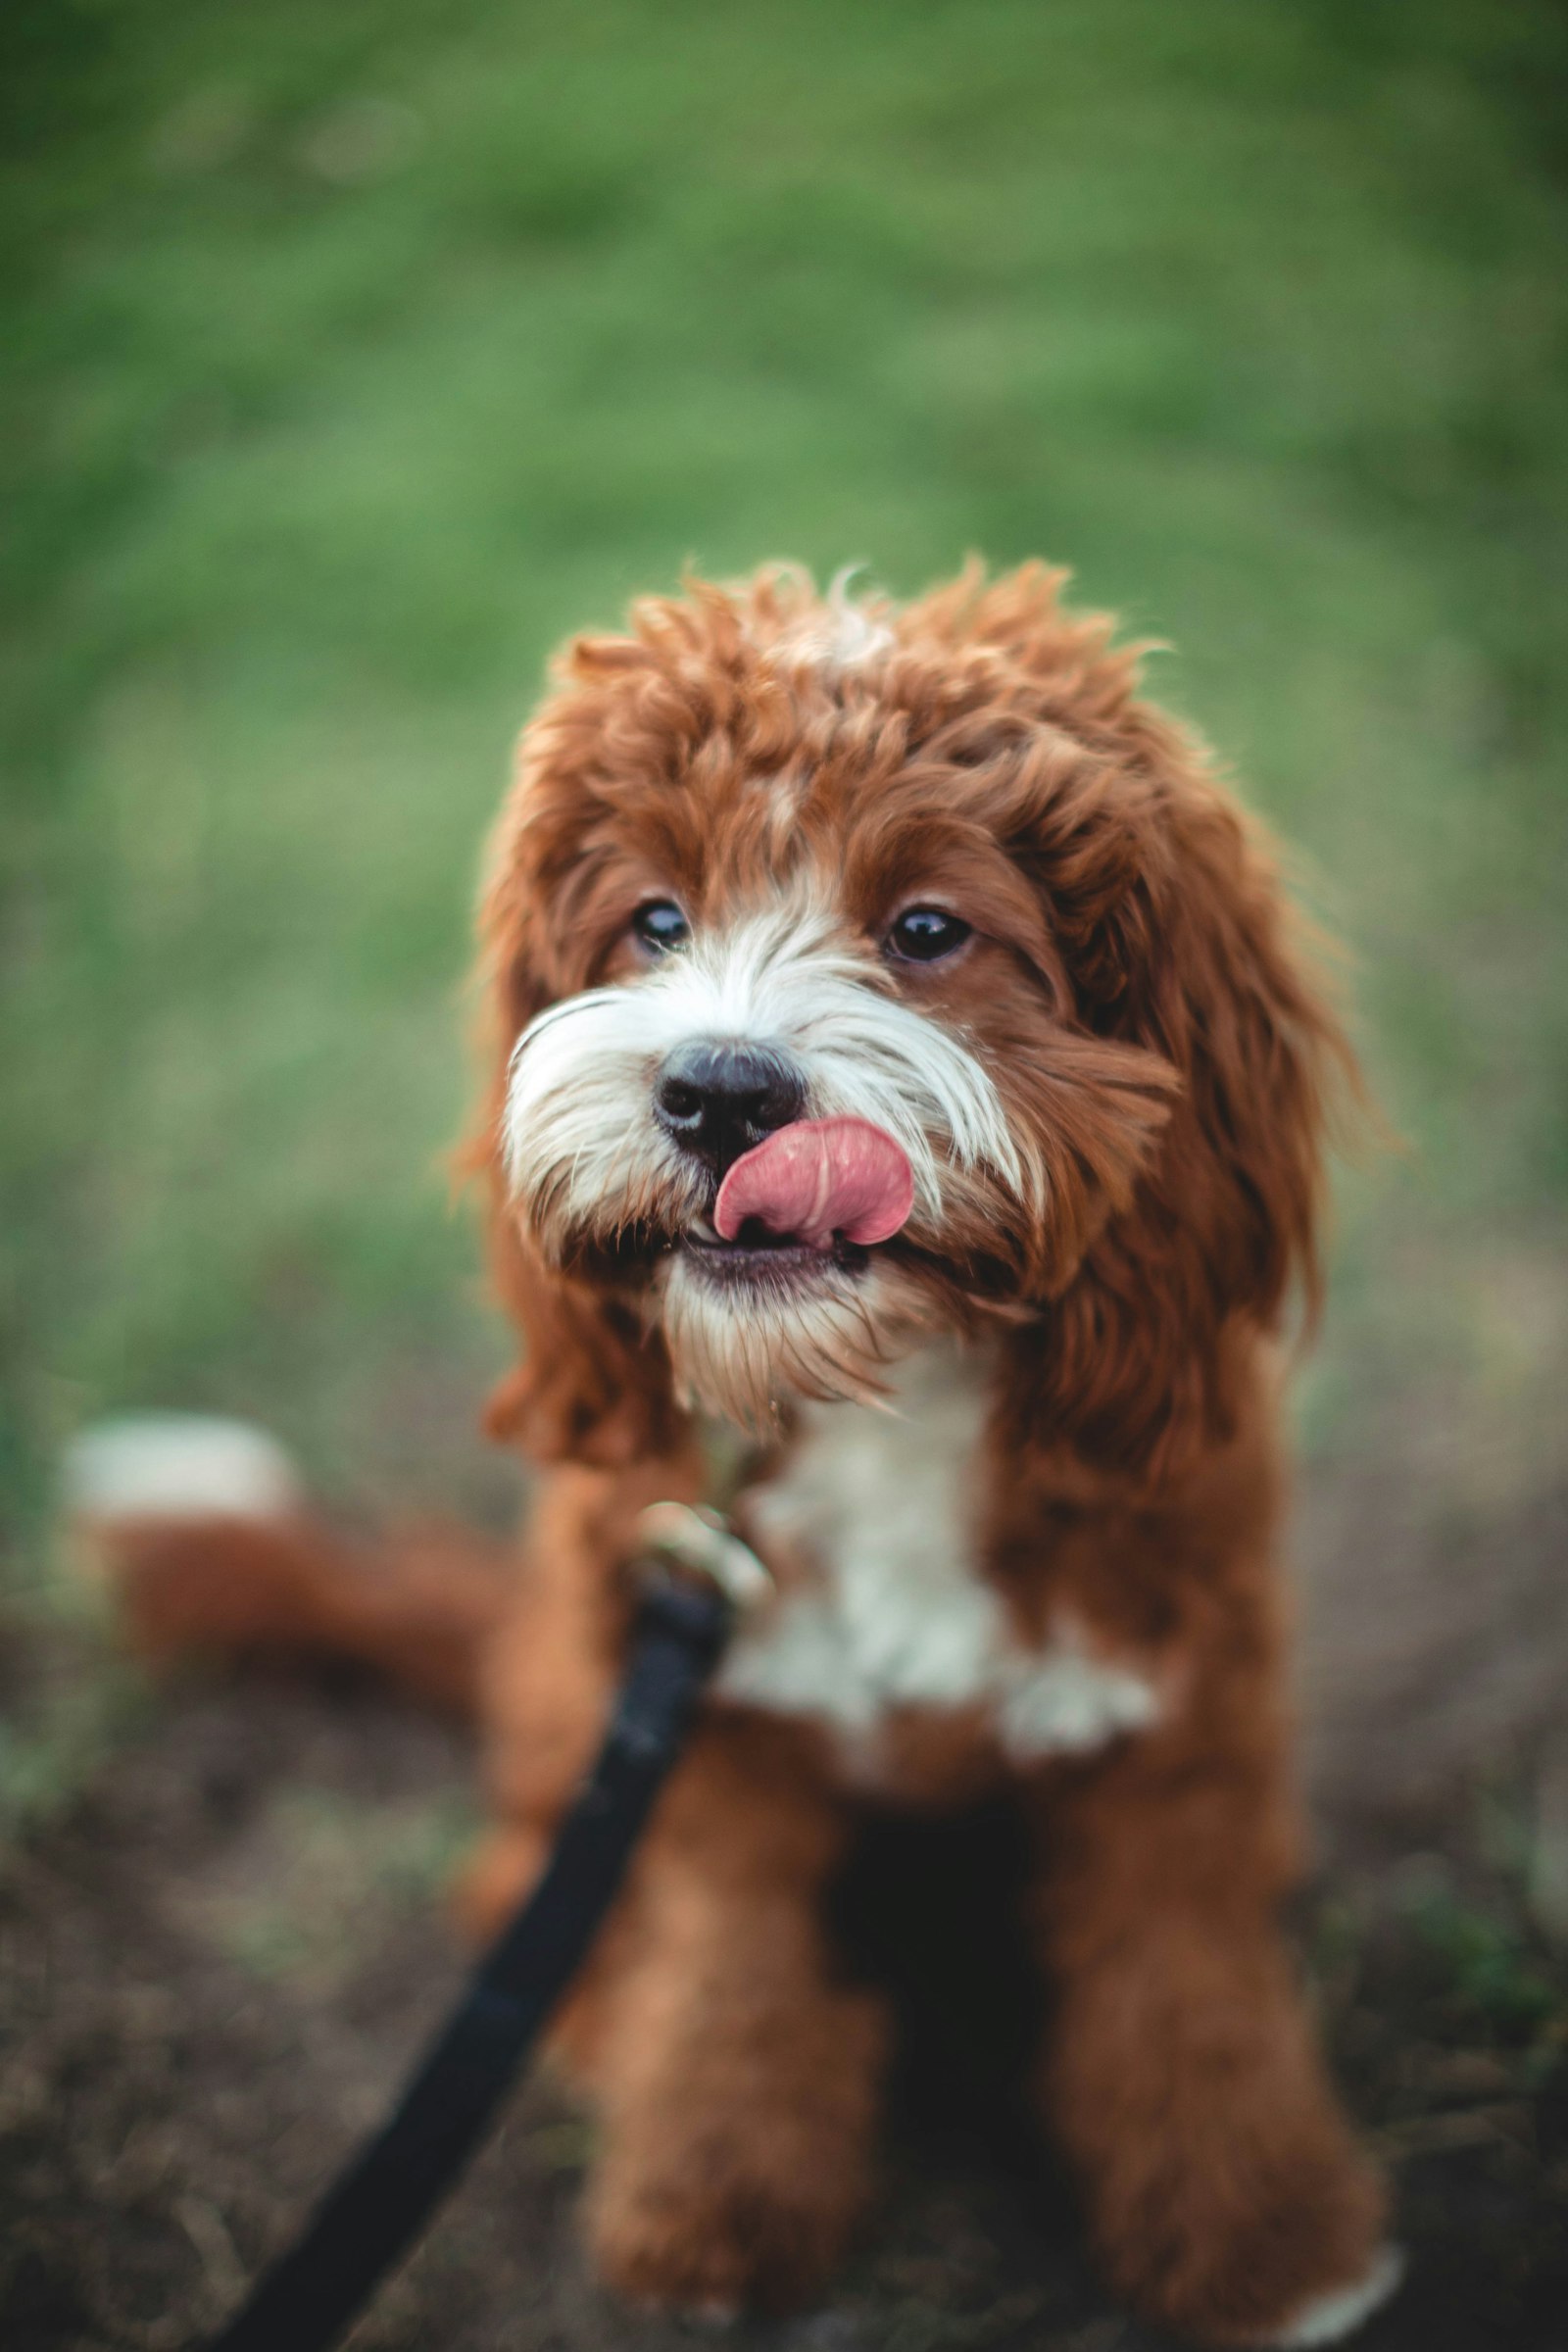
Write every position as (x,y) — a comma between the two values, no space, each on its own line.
(660,926)
(924,934)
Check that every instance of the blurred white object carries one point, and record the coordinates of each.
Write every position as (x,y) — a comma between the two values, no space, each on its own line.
(178,1465)
(1332,2318)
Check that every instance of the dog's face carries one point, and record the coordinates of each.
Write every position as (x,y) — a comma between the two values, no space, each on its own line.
(776,864)
(788,954)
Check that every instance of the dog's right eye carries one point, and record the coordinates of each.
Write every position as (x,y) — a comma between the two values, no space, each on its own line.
(660,926)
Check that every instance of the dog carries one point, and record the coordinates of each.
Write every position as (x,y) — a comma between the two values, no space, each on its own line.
(908,1092)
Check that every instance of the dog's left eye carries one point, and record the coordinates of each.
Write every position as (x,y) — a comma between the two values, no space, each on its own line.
(924,934)
(660,926)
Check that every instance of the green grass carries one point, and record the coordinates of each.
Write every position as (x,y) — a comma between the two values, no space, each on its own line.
(354,353)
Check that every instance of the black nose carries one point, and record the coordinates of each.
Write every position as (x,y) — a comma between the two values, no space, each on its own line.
(718,1100)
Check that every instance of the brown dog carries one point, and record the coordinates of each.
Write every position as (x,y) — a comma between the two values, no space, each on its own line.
(903,1057)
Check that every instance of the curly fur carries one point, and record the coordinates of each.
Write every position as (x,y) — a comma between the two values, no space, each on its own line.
(1019,1475)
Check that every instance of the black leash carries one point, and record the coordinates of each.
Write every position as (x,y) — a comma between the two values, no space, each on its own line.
(376,2208)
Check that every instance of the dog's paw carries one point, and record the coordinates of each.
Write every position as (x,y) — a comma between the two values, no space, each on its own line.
(1266,2258)
(709,2250)
(1330,2317)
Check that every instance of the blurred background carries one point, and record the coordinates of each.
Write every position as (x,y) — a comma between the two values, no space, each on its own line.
(351,356)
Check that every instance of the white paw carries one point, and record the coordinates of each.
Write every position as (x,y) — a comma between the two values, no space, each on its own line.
(1330,2317)
(178,1465)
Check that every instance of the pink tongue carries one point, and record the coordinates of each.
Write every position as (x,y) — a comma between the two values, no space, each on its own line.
(817,1178)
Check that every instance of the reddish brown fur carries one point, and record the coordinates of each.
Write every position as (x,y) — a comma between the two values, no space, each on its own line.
(423,1607)
(1140,995)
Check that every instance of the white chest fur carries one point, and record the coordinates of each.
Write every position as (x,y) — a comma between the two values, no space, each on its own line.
(893,1612)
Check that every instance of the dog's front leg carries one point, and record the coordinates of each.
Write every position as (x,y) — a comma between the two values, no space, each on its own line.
(1223,2185)
(737,2078)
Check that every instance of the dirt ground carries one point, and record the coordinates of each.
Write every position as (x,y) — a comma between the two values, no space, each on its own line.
(216,1962)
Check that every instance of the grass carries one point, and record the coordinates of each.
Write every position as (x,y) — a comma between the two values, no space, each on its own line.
(355,354)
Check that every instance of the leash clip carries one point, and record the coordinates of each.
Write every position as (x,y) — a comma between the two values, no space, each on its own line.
(691,1539)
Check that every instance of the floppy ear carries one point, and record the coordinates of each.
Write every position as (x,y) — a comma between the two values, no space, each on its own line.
(1169,907)
(593,1386)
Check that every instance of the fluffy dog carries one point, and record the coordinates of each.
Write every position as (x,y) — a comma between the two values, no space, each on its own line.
(909,1084)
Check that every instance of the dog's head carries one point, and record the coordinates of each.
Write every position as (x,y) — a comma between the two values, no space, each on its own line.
(919,922)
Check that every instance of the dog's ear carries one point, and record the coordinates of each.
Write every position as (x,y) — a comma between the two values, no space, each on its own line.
(1168,905)
(593,1386)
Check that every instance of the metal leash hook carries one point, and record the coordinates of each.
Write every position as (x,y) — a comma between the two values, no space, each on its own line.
(696,1575)
(698,1541)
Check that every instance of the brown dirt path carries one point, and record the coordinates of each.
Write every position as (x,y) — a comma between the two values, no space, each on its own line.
(212,1968)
